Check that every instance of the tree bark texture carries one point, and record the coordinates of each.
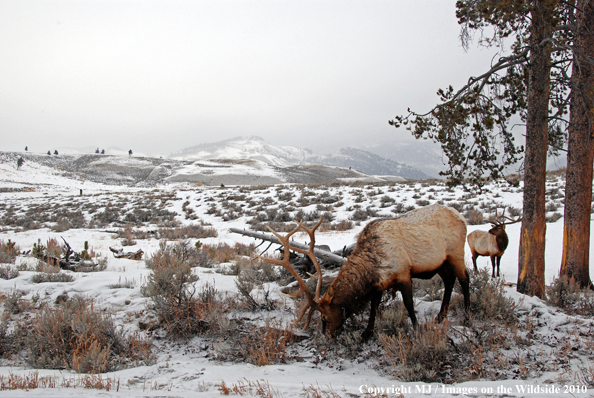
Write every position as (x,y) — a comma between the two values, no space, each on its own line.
(531,264)
(575,261)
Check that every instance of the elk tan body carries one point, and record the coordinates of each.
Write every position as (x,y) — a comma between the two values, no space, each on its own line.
(492,243)
(389,252)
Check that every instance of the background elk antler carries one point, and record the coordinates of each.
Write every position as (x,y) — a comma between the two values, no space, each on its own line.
(312,301)
(499,219)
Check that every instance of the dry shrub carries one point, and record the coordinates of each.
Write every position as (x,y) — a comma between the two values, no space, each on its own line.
(474,217)
(392,317)
(245,285)
(553,217)
(13,302)
(182,251)
(127,236)
(422,202)
(318,392)
(263,346)
(275,225)
(488,301)
(247,387)
(428,289)
(360,215)
(75,335)
(46,277)
(42,266)
(8,272)
(54,248)
(32,381)
(566,294)
(252,276)
(244,250)
(343,225)
(6,340)
(96,382)
(18,382)
(8,252)
(190,231)
(125,284)
(219,253)
(420,357)
(170,286)
(181,312)
(62,224)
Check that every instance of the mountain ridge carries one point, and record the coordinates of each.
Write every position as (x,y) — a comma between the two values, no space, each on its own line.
(256,148)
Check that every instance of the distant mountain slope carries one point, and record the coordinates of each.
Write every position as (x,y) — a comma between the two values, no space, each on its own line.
(255,148)
(90,171)
(368,163)
(424,155)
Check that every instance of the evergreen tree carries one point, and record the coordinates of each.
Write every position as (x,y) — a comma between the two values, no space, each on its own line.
(49,153)
(130,152)
(26,148)
(103,151)
(575,260)
(97,150)
(56,152)
(473,124)
(20,162)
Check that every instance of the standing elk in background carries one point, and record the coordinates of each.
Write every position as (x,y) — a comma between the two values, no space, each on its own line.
(492,243)
(389,252)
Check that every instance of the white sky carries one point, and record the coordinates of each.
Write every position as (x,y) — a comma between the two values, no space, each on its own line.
(159,76)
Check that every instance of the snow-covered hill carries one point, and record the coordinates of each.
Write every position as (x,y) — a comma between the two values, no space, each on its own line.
(68,171)
(255,148)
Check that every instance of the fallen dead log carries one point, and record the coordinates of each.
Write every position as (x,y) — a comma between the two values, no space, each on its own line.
(54,261)
(322,254)
(119,253)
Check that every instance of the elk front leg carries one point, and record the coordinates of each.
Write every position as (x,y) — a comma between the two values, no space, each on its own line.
(449,279)
(474,257)
(407,298)
(494,265)
(498,265)
(375,301)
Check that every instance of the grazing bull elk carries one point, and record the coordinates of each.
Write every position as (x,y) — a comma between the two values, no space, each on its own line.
(389,252)
(492,243)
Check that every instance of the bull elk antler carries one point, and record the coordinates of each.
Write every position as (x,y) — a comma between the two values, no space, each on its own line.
(312,302)
(499,219)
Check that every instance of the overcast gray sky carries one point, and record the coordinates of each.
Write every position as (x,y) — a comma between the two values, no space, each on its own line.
(159,76)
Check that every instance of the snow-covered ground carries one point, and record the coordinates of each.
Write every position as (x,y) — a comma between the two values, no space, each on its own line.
(187,369)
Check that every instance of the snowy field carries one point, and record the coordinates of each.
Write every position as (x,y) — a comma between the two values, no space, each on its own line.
(33,200)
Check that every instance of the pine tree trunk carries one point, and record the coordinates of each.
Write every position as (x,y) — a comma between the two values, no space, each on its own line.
(580,155)
(531,264)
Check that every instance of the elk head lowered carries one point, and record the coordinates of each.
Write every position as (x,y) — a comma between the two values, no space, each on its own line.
(389,252)
(492,243)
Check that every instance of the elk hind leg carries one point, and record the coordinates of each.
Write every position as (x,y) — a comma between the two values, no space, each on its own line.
(458,269)
(465,283)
